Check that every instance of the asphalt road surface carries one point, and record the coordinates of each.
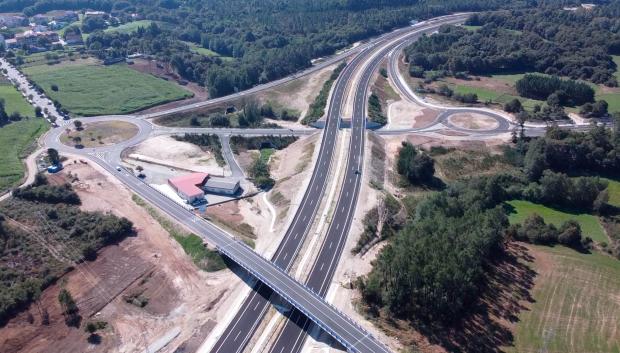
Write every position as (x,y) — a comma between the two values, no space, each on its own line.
(243,326)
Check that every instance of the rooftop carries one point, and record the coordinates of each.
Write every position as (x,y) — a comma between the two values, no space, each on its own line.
(222,183)
(189,184)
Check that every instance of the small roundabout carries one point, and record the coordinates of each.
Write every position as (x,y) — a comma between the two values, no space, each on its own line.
(474,121)
(99,134)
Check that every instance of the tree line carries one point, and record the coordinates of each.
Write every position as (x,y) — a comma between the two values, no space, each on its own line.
(434,268)
(263,41)
(576,44)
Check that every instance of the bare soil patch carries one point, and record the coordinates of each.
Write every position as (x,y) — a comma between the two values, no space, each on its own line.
(165,150)
(290,167)
(473,121)
(403,115)
(100,134)
(150,265)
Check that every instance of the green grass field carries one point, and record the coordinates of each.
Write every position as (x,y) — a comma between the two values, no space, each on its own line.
(485,95)
(14,101)
(616,59)
(613,189)
(266,153)
(129,27)
(206,52)
(89,89)
(576,305)
(589,224)
(15,140)
(472,28)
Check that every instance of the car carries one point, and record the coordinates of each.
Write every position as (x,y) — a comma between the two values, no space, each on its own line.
(357,171)
(118,167)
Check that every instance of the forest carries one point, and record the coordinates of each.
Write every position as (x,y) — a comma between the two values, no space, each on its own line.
(266,40)
(434,267)
(575,44)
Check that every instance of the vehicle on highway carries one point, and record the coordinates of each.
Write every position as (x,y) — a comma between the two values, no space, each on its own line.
(118,168)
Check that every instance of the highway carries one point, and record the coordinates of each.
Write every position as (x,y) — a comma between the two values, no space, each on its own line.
(243,326)
(254,308)
(271,274)
(292,337)
(307,299)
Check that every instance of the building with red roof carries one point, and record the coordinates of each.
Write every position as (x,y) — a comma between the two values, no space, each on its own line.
(189,186)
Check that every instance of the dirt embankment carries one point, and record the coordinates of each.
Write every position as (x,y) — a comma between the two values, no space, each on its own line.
(290,168)
(167,151)
(180,302)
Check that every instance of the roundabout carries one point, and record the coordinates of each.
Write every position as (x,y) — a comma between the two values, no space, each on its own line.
(474,121)
(99,134)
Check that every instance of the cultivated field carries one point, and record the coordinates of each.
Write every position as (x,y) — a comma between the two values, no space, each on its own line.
(90,89)
(589,223)
(576,305)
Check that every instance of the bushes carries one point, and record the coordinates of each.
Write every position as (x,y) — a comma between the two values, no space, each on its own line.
(557,189)
(380,223)
(542,87)
(416,166)
(260,142)
(48,193)
(375,111)
(317,108)
(433,270)
(596,110)
(535,231)
(69,308)
(26,266)
(596,151)
(259,171)
(513,106)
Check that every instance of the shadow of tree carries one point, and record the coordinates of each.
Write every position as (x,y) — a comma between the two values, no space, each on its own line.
(488,327)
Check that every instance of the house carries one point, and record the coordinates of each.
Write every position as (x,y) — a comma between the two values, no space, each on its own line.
(13,21)
(67,16)
(32,38)
(221,186)
(189,187)
(56,25)
(72,38)
(40,19)
(192,187)
(94,14)
(39,28)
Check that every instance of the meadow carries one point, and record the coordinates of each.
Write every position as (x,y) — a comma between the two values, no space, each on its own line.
(14,101)
(16,137)
(90,89)
(576,307)
(590,225)
(16,140)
